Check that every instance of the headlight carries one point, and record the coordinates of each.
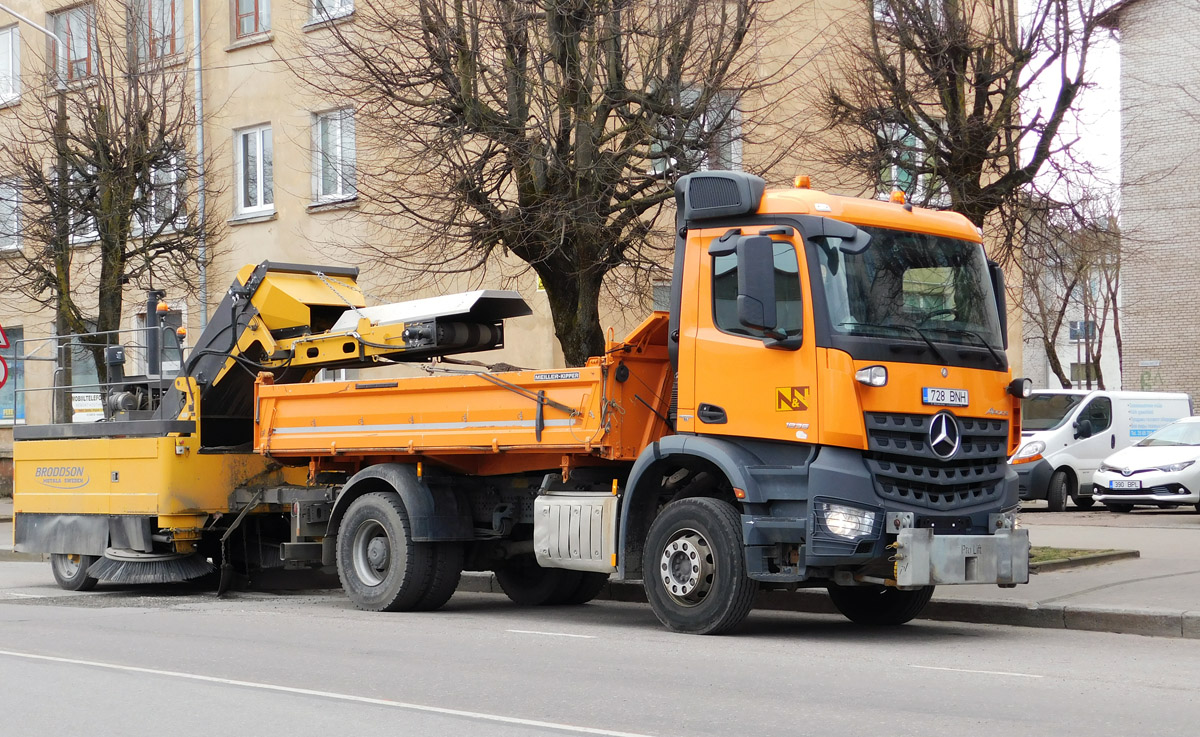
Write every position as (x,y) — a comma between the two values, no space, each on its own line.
(1107,468)
(847,522)
(872,376)
(1031,451)
(1175,466)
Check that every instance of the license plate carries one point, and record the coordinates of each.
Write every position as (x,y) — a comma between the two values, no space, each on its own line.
(1122,484)
(944,397)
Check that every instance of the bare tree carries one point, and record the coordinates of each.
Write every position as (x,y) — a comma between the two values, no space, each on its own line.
(547,131)
(1071,261)
(932,91)
(106,201)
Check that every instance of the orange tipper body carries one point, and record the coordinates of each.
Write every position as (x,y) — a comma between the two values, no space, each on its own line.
(608,410)
(826,402)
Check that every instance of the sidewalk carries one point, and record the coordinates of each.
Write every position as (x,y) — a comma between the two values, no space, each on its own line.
(1156,594)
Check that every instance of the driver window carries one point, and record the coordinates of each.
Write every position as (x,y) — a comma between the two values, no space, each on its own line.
(789,306)
(1099,413)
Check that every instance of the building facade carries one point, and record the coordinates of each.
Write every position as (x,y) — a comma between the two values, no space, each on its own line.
(1160,175)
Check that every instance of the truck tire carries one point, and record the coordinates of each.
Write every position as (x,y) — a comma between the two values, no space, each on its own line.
(1056,491)
(528,584)
(879,606)
(694,567)
(70,571)
(590,586)
(381,568)
(1084,502)
(447,570)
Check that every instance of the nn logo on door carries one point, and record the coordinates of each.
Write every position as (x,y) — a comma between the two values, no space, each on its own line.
(791,398)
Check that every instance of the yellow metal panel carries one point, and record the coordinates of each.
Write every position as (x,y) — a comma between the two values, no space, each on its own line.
(136,476)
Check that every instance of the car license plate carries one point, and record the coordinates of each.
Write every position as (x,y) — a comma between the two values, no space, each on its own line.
(1123,484)
(944,397)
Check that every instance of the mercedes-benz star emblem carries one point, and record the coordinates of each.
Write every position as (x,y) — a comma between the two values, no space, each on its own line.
(944,435)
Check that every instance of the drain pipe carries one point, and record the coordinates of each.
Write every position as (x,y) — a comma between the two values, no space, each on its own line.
(202,215)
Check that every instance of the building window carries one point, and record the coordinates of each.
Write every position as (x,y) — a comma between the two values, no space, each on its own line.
(333,156)
(77,28)
(159,25)
(10,215)
(253,165)
(12,400)
(162,209)
(907,168)
(10,64)
(709,138)
(1081,330)
(1083,373)
(251,17)
(81,203)
(326,9)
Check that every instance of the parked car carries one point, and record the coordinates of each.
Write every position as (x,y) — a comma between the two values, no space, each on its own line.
(1161,470)
(1066,433)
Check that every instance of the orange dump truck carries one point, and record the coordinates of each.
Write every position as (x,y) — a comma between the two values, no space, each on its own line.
(827,403)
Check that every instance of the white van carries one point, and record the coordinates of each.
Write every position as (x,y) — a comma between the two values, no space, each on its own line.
(1066,433)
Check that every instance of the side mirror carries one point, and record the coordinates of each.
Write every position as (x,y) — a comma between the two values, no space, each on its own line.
(756,282)
(997,275)
(1083,429)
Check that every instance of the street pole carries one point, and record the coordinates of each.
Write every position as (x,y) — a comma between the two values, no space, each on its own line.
(62,228)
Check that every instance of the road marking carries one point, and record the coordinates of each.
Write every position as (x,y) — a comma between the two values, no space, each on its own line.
(552,634)
(332,695)
(983,672)
(25,596)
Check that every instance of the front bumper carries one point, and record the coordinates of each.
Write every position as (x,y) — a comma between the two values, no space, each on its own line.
(925,559)
(1152,492)
(1033,479)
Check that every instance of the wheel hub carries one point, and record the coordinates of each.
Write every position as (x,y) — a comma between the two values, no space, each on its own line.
(377,552)
(686,567)
(371,553)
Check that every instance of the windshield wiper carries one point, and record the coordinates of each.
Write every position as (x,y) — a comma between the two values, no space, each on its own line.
(980,338)
(893,326)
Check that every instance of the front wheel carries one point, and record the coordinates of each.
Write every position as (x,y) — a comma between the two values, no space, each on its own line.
(70,571)
(380,566)
(1121,508)
(1056,492)
(879,606)
(694,567)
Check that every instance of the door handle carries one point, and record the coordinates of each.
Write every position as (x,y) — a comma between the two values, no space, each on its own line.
(1112,441)
(711,414)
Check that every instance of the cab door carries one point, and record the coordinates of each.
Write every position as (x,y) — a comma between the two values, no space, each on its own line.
(1102,442)
(740,385)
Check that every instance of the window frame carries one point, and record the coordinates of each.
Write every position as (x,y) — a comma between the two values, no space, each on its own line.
(261,17)
(345,166)
(151,224)
(796,331)
(262,208)
(13,81)
(14,185)
(317,12)
(92,42)
(147,39)
(724,132)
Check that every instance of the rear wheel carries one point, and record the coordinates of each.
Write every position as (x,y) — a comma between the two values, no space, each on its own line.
(1056,493)
(694,567)
(528,584)
(1084,502)
(1119,507)
(879,606)
(447,570)
(70,571)
(590,586)
(380,566)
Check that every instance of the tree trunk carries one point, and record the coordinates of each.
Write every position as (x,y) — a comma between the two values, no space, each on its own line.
(574,308)
(1055,364)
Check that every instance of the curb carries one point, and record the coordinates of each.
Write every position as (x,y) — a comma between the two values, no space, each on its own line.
(11,556)
(1150,622)
(1091,559)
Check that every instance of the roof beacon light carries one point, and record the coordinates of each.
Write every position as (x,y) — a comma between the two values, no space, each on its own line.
(897,196)
(803,182)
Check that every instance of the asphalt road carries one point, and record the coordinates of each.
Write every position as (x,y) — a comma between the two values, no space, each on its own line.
(175,661)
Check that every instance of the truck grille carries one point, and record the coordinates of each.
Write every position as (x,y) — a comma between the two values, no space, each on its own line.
(905,468)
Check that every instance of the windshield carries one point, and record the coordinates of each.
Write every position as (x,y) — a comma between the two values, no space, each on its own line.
(901,281)
(1179,433)
(1047,411)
